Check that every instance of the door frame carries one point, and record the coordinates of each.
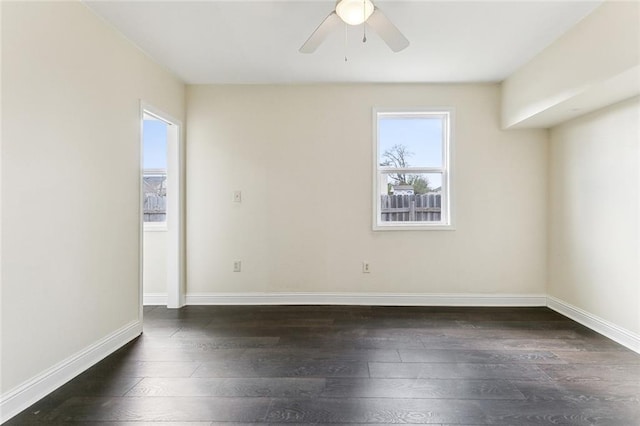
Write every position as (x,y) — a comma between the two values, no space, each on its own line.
(175,209)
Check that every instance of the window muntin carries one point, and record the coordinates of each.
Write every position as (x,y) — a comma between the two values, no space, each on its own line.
(412,171)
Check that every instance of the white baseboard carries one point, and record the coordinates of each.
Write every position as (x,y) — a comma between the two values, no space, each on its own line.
(377,299)
(153,299)
(604,327)
(608,329)
(26,394)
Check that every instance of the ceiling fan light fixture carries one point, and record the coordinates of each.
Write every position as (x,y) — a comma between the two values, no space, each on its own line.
(354,12)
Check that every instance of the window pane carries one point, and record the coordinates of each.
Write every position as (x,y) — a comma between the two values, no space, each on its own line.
(410,141)
(411,197)
(155,197)
(154,144)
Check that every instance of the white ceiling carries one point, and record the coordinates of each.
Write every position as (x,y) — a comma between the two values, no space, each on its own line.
(206,42)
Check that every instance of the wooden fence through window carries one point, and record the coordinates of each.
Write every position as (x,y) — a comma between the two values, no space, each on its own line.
(155,197)
(155,208)
(411,208)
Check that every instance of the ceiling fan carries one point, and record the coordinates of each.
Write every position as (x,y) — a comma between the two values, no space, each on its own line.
(356,12)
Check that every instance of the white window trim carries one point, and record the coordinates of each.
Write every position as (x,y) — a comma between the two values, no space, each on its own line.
(446,170)
(155,227)
(152,172)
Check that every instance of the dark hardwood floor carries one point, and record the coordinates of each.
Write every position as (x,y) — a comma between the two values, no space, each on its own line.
(204,365)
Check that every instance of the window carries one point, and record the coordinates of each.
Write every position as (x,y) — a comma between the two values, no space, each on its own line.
(412,188)
(154,176)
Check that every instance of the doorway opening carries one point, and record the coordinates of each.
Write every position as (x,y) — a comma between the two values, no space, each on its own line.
(161,217)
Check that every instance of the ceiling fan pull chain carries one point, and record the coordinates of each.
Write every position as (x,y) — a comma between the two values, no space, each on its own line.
(345,42)
(364,21)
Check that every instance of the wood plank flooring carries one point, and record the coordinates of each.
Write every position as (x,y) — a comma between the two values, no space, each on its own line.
(204,365)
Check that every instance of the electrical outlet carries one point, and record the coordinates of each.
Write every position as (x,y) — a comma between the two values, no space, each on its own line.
(366,268)
(237,266)
(237,196)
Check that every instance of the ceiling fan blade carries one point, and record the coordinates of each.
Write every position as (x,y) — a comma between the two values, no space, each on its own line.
(320,34)
(387,31)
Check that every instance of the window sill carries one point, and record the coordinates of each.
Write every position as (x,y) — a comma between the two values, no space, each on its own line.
(155,227)
(414,227)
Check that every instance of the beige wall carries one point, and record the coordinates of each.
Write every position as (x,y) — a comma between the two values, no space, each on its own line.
(594,214)
(71,87)
(302,157)
(155,262)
